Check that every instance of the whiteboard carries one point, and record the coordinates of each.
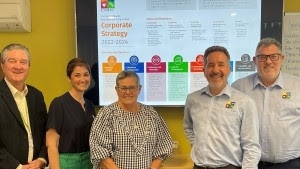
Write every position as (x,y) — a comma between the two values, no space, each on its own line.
(291,43)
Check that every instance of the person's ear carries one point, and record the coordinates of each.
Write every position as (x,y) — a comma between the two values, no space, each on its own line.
(254,59)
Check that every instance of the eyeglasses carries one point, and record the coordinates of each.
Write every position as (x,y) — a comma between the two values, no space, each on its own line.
(273,57)
(124,89)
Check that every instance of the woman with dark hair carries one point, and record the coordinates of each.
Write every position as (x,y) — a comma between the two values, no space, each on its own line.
(70,118)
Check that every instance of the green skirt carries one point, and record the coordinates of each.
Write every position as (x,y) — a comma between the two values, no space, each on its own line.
(75,160)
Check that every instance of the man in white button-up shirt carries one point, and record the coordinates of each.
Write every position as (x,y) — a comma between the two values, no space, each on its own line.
(23,114)
(277,96)
(221,122)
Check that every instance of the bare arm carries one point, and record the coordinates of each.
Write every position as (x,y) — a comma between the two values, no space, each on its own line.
(52,141)
(108,163)
(156,163)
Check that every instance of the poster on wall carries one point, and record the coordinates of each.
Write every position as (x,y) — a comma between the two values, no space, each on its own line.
(291,43)
(163,41)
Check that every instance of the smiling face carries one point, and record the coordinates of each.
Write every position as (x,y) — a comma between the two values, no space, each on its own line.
(216,71)
(268,70)
(128,91)
(80,78)
(15,67)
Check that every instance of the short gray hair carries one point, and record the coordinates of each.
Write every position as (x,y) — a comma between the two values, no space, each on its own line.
(215,49)
(127,73)
(12,47)
(267,42)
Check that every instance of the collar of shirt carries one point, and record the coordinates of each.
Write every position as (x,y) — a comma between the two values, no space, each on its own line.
(15,92)
(278,82)
(225,91)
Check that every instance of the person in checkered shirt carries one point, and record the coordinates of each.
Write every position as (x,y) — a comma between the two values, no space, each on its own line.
(128,134)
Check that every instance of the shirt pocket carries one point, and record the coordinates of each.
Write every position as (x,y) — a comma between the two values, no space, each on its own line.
(287,110)
(229,120)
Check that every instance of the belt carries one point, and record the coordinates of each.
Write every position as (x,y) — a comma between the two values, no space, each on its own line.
(226,167)
(268,164)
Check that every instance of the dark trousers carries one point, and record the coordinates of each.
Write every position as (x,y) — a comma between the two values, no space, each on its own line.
(226,167)
(291,164)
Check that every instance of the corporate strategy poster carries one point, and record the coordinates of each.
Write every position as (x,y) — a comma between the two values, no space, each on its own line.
(164,42)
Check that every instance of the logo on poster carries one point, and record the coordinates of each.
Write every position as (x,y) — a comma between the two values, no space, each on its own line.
(107,5)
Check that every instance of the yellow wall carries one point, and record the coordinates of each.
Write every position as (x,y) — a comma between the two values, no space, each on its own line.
(51,42)
(291,5)
(52,45)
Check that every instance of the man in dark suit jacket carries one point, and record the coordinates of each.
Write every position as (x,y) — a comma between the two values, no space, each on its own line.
(23,114)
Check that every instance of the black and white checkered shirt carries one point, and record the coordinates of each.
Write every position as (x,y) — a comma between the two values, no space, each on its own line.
(132,140)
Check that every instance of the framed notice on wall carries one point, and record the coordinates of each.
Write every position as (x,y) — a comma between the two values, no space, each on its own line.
(291,43)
